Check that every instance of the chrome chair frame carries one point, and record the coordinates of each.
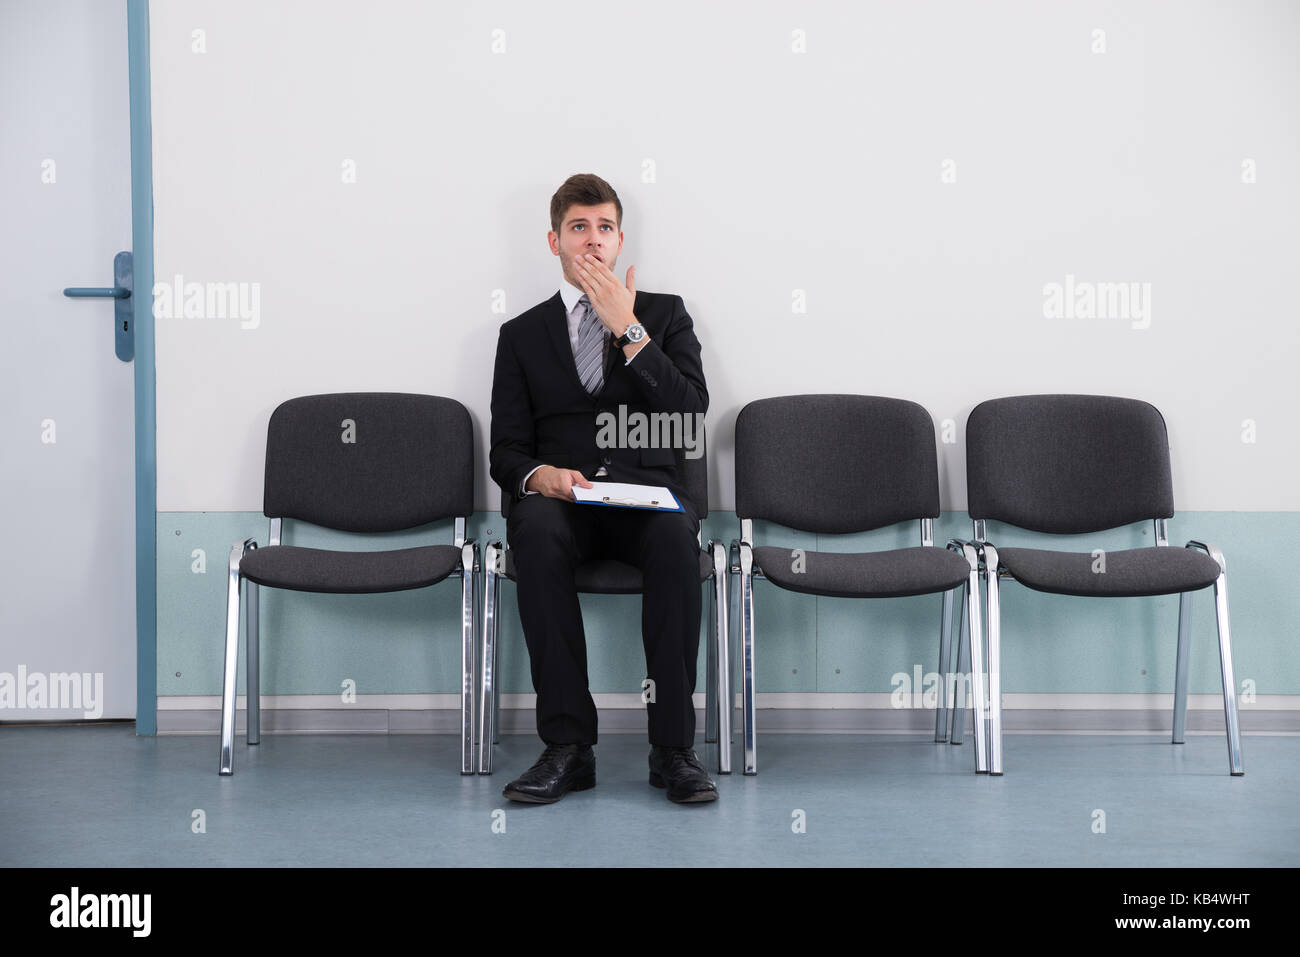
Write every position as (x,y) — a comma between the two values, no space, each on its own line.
(992,571)
(718,669)
(970,644)
(469,565)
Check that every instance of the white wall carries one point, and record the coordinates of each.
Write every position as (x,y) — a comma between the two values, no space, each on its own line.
(773,171)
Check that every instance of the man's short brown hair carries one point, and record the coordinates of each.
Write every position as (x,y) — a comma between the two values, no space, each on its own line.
(583,189)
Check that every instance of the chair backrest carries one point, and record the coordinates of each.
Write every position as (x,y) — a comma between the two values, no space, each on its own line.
(694,474)
(369,461)
(1067,464)
(835,463)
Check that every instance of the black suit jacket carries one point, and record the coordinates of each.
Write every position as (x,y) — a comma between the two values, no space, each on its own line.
(542,415)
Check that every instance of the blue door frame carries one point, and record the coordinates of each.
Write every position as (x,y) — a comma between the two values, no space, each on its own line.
(146,459)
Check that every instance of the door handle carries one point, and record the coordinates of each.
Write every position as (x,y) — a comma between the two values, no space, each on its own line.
(123,304)
(97,292)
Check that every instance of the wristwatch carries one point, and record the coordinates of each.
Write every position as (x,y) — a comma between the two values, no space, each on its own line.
(634,333)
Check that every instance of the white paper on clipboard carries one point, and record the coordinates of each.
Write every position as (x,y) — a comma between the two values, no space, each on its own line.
(627,495)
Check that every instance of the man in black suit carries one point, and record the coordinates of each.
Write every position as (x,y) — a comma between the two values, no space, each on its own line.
(594,346)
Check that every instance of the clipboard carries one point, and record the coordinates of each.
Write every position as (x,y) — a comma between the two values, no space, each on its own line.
(625,495)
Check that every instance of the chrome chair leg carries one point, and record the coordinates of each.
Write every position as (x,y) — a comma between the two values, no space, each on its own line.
(722,642)
(230,675)
(734,676)
(747,641)
(496,667)
(976,658)
(1181,665)
(1230,715)
(495,653)
(711,675)
(993,616)
(469,563)
(487,682)
(945,668)
(961,690)
(252,683)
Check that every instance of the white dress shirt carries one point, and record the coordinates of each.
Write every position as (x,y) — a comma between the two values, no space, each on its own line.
(571,295)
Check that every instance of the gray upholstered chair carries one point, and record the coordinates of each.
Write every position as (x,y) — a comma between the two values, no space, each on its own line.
(837,464)
(358,462)
(608,577)
(1076,464)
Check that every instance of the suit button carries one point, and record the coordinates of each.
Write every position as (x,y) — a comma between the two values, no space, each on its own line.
(607,460)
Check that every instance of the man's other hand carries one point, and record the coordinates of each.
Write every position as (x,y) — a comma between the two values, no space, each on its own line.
(556,483)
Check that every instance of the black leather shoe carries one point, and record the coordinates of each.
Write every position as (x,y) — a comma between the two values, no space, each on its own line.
(561,768)
(680,771)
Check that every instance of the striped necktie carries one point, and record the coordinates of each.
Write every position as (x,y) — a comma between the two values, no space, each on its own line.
(591,349)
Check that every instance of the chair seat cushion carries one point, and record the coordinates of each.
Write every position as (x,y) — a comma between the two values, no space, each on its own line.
(1129,573)
(897,573)
(608,577)
(349,573)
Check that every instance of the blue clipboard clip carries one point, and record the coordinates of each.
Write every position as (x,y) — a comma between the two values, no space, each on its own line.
(652,504)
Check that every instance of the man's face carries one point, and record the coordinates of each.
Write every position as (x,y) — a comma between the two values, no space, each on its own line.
(586,229)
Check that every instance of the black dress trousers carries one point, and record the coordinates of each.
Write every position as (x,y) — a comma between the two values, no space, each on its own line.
(549,538)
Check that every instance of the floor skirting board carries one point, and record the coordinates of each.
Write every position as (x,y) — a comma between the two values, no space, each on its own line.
(793,713)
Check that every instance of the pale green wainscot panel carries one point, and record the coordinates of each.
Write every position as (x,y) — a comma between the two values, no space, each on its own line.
(400,643)
(408,642)
(1064,644)
(863,642)
(785,622)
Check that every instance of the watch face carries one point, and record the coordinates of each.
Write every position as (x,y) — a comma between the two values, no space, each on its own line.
(635,332)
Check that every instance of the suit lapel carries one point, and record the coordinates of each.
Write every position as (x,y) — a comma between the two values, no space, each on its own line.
(557,324)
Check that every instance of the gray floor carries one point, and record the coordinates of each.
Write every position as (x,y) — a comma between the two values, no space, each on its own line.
(100,796)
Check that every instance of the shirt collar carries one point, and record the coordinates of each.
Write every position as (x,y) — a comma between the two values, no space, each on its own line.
(570,294)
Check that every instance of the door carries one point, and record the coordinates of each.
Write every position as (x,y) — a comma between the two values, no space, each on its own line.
(68,614)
